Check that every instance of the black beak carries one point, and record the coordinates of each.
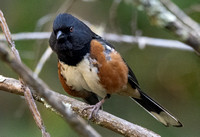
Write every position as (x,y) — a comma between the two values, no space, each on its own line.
(60,35)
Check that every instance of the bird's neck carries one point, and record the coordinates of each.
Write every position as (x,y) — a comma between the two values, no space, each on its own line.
(72,58)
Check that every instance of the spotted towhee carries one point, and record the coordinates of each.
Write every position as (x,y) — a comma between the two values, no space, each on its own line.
(89,66)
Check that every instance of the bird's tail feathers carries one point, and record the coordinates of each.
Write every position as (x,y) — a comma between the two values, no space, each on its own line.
(157,111)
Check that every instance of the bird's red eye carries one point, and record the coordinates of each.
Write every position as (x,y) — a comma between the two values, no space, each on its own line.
(71,29)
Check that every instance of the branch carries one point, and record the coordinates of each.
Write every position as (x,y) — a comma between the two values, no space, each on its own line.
(160,15)
(141,41)
(42,60)
(27,36)
(181,15)
(144,41)
(103,118)
(14,86)
(27,93)
(11,85)
(77,123)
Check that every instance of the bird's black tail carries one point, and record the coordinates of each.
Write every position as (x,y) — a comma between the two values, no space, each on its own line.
(157,111)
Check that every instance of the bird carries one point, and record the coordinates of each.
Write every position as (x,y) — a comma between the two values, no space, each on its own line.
(90,68)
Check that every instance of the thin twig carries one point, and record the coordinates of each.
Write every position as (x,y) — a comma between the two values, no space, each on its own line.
(8,36)
(139,40)
(28,36)
(103,119)
(50,17)
(42,60)
(27,93)
(189,22)
(76,122)
(163,17)
(65,7)
(14,86)
(144,41)
(43,20)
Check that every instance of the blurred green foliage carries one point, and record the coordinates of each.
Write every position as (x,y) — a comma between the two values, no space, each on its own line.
(170,76)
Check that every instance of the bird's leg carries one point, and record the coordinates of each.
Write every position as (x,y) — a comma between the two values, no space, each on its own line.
(95,108)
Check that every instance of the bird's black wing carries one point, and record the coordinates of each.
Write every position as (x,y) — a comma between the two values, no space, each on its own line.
(151,106)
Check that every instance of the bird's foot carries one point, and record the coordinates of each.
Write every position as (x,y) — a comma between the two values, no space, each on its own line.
(95,108)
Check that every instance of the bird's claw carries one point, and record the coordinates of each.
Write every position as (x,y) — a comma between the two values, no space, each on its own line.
(95,108)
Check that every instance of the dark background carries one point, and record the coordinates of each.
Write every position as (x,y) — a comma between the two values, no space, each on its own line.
(172,77)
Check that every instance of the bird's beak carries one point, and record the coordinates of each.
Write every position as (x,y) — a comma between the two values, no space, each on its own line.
(59,35)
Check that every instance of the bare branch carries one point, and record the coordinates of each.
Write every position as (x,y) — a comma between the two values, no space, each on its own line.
(144,41)
(181,15)
(42,21)
(163,17)
(77,123)
(31,103)
(42,60)
(141,41)
(27,93)
(103,119)
(67,5)
(14,86)
(11,85)
(28,36)
(8,36)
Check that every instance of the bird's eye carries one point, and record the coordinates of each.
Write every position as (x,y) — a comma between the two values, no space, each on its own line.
(71,29)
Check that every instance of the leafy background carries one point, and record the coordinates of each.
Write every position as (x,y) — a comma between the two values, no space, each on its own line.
(172,77)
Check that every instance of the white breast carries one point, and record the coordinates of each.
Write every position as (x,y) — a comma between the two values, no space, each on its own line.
(83,77)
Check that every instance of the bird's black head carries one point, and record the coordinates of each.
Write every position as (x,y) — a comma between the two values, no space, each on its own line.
(70,39)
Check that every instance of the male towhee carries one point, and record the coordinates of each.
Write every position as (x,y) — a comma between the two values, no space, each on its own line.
(89,66)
